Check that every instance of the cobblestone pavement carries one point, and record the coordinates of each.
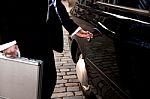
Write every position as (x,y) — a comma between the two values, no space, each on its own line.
(67,86)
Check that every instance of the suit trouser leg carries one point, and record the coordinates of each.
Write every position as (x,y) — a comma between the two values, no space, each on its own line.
(49,76)
(34,46)
(49,70)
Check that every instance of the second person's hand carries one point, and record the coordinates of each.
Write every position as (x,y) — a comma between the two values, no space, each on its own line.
(84,34)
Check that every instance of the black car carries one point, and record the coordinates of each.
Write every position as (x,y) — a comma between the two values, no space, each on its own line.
(109,65)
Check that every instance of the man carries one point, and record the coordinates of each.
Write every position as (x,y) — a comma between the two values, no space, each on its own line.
(36,26)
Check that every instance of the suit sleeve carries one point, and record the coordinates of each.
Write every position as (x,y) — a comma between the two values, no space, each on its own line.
(5,17)
(68,23)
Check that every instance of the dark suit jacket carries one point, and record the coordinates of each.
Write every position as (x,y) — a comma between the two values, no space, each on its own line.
(25,21)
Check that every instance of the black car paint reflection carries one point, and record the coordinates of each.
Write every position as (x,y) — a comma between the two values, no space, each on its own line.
(100,52)
(101,65)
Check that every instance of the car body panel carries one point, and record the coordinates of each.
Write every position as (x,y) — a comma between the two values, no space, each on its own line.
(100,53)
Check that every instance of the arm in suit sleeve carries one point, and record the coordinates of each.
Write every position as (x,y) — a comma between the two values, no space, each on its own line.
(5,17)
(68,23)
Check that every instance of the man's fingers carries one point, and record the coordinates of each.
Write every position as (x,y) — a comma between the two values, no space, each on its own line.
(11,52)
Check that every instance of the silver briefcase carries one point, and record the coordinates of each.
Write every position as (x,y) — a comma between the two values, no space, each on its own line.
(20,78)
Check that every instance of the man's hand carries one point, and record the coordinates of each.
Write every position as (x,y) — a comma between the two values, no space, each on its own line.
(84,34)
(11,52)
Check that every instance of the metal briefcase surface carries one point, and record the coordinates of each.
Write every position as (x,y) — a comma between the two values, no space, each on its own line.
(20,78)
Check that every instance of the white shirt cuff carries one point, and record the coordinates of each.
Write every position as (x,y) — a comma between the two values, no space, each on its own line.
(77,30)
(7,45)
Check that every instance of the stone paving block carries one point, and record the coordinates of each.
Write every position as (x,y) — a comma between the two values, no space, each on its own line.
(71,73)
(69,77)
(78,93)
(61,73)
(59,85)
(71,84)
(61,81)
(64,70)
(59,77)
(73,69)
(60,89)
(75,97)
(64,94)
(75,88)
(73,80)
(56,98)
(64,67)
